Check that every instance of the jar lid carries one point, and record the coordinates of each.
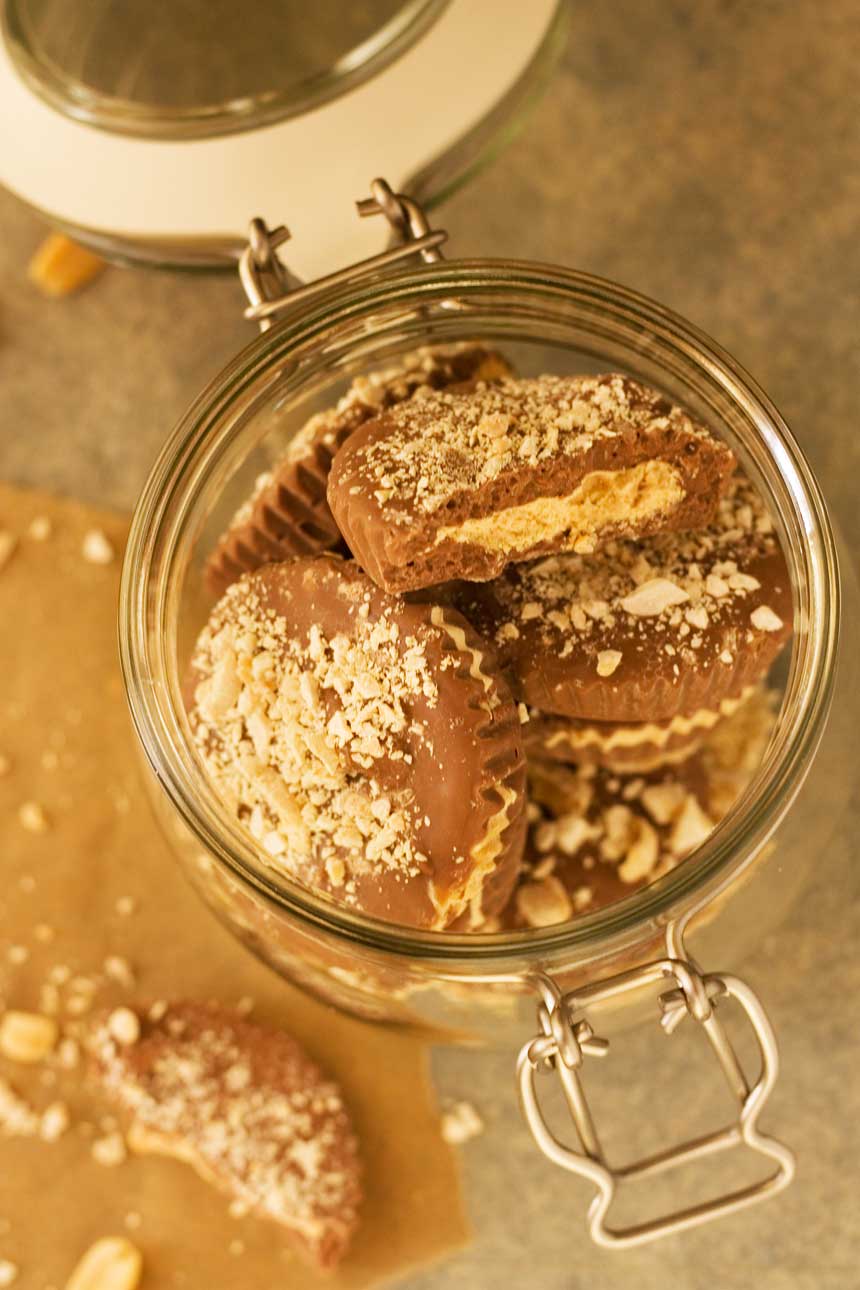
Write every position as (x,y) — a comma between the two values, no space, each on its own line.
(156,132)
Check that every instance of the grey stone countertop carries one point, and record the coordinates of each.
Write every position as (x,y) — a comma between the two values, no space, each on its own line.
(708,155)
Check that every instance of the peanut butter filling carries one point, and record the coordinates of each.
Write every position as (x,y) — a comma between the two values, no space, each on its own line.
(603,498)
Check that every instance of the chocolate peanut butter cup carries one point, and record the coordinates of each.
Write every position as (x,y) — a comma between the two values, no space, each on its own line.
(369,746)
(288,513)
(459,484)
(247,1108)
(635,747)
(643,631)
(596,836)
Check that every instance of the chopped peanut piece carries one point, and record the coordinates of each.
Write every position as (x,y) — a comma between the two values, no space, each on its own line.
(109,1151)
(54,1122)
(543,903)
(32,817)
(40,528)
(60,266)
(607,661)
(460,1123)
(112,1263)
(26,1036)
(124,1026)
(96,549)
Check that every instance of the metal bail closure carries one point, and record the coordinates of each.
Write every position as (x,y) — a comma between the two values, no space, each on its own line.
(266,281)
(565,1040)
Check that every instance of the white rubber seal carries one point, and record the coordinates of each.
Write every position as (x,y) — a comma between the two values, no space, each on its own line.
(306,172)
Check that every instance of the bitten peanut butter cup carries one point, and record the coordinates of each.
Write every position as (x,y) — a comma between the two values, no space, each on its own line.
(288,513)
(596,836)
(635,747)
(643,631)
(369,746)
(245,1106)
(459,484)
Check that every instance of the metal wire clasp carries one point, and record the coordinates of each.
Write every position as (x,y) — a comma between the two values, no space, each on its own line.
(266,281)
(565,1039)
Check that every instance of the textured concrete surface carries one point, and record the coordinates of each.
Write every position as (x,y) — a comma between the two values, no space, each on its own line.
(708,155)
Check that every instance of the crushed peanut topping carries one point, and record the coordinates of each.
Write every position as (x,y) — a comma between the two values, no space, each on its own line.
(765,620)
(96,548)
(17,1117)
(109,1151)
(592,826)
(124,1026)
(686,592)
(32,817)
(416,374)
(293,732)
(111,1263)
(450,443)
(26,1036)
(460,1123)
(247,1105)
(40,528)
(54,1122)
(544,902)
(607,661)
(119,970)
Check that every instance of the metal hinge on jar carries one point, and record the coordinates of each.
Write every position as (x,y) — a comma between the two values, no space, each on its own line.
(566,1039)
(266,281)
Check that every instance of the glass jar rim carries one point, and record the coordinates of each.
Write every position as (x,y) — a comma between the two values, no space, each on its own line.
(736,839)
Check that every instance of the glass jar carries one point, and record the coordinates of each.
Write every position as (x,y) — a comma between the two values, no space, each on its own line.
(482,987)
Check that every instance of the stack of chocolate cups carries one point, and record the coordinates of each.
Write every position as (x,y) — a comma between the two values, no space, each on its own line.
(484,645)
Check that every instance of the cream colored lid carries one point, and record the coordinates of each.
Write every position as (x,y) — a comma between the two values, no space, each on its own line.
(305,170)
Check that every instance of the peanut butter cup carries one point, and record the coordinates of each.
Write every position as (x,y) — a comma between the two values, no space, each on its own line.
(369,746)
(643,631)
(596,836)
(459,484)
(288,513)
(638,747)
(245,1106)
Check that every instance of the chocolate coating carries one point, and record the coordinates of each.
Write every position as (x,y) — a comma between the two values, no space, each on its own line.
(596,836)
(370,746)
(248,1108)
(643,631)
(631,748)
(288,513)
(459,484)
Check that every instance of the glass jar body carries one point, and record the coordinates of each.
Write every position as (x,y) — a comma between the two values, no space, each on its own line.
(489,1001)
(729,894)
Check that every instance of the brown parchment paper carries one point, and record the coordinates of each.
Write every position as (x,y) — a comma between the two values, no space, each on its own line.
(65,729)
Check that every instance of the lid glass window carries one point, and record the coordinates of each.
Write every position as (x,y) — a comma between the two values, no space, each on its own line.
(203,67)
